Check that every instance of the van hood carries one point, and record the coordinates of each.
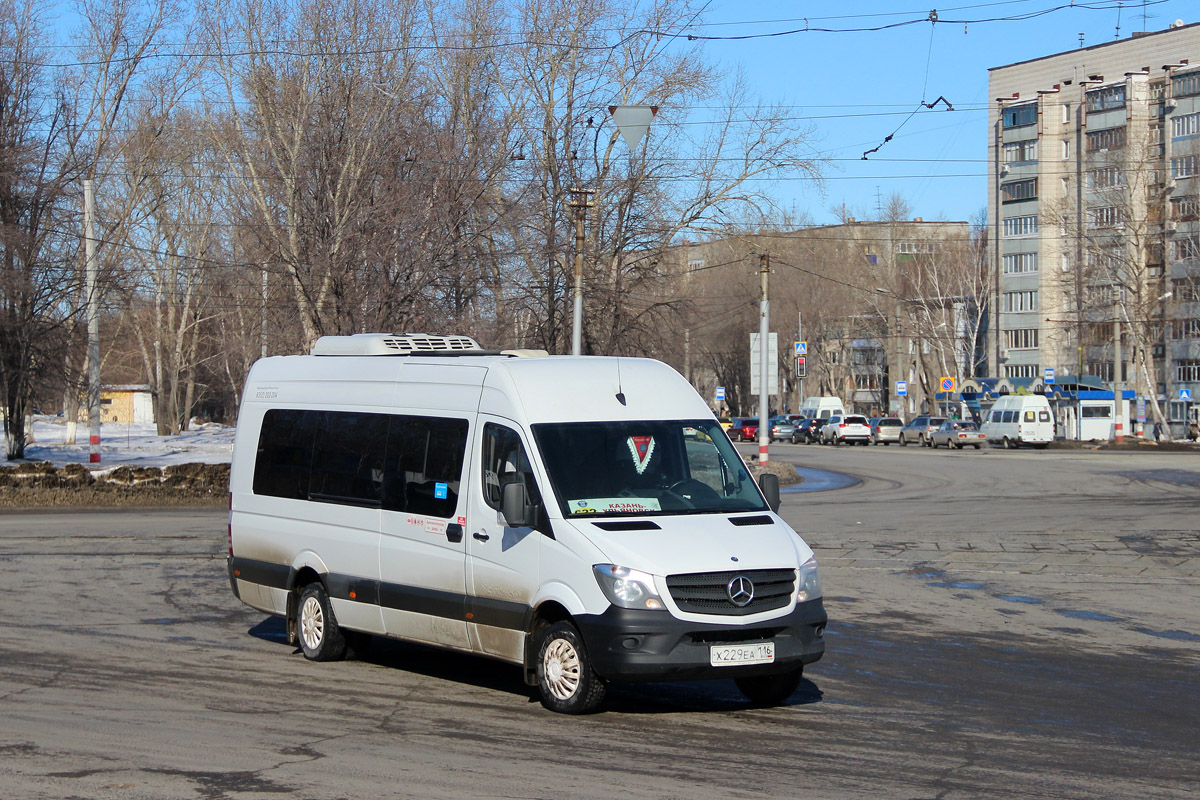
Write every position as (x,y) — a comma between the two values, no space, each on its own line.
(697,543)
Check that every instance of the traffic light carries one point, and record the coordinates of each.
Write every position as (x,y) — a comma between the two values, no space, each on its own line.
(801,368)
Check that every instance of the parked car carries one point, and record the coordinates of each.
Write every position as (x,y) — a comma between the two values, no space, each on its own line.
(745,429)
(958,433)
(848,429)
(782,427)
(726,423)
(918,429)
(808,430)
(1015,420)
(885,430)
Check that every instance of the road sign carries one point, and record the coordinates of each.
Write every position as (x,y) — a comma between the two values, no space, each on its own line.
(947,384)
(1185,394)
(1049,377)
(902,388)
(801,348)
(772,363)
(720,392)
(801,367)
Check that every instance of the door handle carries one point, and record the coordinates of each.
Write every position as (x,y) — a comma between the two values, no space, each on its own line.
(483,537)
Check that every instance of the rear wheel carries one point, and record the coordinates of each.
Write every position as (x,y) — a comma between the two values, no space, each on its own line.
(770,690)
(321,638)
(903,441)
(565,677)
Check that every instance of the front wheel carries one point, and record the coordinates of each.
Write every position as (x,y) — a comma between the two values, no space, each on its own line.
(903,441)
(770,690)
(321,638)
(565,677)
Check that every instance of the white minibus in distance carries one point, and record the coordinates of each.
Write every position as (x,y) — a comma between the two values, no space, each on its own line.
(1016,419)
(821,407)
(584,518)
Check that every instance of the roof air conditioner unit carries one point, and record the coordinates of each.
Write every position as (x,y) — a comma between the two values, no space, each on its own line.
(389,344)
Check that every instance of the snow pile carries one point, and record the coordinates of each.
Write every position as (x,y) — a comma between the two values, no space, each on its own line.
(131,444)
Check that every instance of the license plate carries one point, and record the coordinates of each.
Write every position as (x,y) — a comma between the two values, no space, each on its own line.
(728,655)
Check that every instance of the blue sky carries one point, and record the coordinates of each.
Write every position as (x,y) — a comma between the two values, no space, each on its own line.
(859,87)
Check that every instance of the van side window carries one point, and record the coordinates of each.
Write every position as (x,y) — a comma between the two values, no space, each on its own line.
(504,461)
(423,466)
(1008,416)
(347,463)
(996,416)
(285,451)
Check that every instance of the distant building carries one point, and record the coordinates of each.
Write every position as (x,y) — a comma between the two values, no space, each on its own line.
(127,403)
(1093,158)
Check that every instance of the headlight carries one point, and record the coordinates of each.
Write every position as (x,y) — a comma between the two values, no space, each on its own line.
(628,588)
(810,581)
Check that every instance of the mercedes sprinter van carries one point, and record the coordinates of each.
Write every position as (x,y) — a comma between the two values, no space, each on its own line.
(585,518)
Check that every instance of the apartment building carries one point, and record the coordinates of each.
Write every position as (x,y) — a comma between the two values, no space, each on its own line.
(1093,185)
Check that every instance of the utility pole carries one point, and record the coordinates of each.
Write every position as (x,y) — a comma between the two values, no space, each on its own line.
(764,352)
(1118,430)
(581,205)
(262,334)
(93,322)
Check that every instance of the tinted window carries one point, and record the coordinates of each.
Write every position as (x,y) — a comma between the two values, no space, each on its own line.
(424,464)
(996,416)
(347,462)
(505,461)
(1043,416)
(285,449)
(856,420)
(889,423)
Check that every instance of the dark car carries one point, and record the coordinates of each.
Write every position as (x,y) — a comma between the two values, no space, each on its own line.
(745,429)
(808,430)
(919,428)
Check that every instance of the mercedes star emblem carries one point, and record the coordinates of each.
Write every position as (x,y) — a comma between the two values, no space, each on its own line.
(741,591)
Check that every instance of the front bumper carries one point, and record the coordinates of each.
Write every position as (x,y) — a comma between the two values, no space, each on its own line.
(635,645)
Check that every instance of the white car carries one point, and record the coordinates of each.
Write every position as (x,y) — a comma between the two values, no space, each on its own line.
(848,429)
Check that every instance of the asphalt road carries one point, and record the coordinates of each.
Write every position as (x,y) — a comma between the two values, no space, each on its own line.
(1003,623)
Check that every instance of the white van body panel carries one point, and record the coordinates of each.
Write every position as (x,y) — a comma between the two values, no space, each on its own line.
(1040,431)
(822,407)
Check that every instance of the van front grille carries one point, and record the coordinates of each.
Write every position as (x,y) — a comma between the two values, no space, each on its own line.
(709,592)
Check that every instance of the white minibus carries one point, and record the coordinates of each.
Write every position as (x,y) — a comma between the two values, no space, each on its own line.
(1015,420)
(584,518)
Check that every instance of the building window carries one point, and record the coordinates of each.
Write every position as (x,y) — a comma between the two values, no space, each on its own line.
(1066,149)
(866,381)
(1021,301)
(696,264)
(1186,290)
(1185,166)
(1021,226)
(1185,125)
(1185,208)
(1019,116)
(912,248)
(1106,98)
(1017,152)
(1185,328)
(1021,370)
(1185,85)
(1015,191)
(1021,339)
(1106,139)
(1187,371)
(1106,217)
(1066,113)
(1105,178)
(1184,249)
(1018,263)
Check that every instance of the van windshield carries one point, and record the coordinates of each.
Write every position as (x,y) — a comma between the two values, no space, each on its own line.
(650,468)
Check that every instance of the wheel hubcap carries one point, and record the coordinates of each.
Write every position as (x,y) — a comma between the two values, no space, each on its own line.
(561,668)
(312,623)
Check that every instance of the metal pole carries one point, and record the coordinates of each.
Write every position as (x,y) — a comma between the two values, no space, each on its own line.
(764,351)
(93,322)
(581,206)
(1118,430)
(262,334)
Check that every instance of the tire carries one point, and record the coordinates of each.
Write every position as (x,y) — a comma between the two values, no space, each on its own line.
(926,441)
(978,446)
(770,690)
(565,677)
(903,441)
(1007,444)
(321,638)
(957,446)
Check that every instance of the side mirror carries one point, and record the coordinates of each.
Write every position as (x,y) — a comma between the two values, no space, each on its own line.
(769,483)
(515,506)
